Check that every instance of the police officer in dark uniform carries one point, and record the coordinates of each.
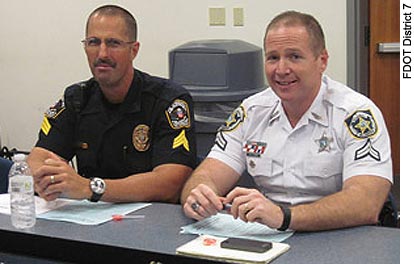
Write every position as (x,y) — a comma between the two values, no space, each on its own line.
(132,133)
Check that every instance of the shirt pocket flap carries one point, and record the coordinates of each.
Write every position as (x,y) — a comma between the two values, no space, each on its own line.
(260,166)
(323,167)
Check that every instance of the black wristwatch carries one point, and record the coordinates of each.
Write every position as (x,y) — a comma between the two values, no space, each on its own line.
(286,218)
(97,186)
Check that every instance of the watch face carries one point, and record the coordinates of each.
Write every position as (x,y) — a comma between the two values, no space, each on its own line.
(97,185)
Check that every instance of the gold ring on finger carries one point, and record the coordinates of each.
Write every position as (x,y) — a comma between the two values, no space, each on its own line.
(246,208)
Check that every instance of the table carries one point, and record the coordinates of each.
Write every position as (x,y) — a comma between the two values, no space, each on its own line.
(155,238)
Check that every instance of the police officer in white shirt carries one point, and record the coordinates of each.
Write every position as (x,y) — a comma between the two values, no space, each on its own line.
(318,151)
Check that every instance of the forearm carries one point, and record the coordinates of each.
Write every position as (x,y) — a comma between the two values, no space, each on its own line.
(359,203)
(335,211)
(214,174)
(198,177)
(157,185)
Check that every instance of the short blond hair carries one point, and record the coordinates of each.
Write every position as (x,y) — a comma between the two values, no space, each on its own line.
(294,18)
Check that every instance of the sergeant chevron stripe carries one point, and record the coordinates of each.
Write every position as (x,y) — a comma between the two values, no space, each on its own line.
(45,126)
(181,139)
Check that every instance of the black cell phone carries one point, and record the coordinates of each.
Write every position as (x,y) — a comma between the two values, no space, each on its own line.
(246,245)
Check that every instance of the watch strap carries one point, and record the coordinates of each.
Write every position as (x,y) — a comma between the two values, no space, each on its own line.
(286,218)
(95,197)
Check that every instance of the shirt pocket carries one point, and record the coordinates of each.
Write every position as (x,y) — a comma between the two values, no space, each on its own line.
(259,167)
(136,162)
(86,163)
(265,171)
(323,175)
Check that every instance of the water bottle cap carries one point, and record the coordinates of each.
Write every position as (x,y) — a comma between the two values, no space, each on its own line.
(19,157)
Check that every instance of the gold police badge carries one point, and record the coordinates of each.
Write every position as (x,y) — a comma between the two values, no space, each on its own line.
(140,137)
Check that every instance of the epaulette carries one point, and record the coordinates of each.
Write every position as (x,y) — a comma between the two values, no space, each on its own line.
(77,95)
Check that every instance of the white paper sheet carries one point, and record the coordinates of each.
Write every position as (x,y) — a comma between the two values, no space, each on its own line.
(41,205)
(81,212)
(224,225)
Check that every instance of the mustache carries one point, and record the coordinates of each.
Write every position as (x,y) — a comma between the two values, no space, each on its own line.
(100,62)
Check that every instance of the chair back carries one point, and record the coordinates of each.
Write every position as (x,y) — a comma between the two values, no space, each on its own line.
(5,165)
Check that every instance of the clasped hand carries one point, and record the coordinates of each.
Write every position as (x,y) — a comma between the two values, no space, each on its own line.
(56,178)
(247,204)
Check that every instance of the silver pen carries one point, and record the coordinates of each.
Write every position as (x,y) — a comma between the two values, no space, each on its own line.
(226,207)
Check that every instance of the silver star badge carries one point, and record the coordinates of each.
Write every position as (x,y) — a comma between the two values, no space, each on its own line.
(324,143)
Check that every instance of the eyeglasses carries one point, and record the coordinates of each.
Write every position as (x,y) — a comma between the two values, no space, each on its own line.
(110,43)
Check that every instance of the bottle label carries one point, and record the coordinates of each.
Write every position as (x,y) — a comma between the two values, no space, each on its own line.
(21,183)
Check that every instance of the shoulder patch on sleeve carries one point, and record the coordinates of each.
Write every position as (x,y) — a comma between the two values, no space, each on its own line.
(234,120)
(55,110)
(361,124)
(178,114)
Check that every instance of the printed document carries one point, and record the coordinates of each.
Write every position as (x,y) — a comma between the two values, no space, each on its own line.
(224,225)
(76,211)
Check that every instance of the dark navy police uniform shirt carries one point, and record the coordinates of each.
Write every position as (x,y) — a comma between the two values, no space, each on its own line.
(153,126)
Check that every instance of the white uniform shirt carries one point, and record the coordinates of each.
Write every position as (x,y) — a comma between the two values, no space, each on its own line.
(342,134)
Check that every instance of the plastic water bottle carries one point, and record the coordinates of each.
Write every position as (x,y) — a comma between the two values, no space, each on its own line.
(22,204)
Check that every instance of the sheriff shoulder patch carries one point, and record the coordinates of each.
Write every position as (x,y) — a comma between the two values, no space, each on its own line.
(55,110)
(234,120)
(362,124)
(178,114)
